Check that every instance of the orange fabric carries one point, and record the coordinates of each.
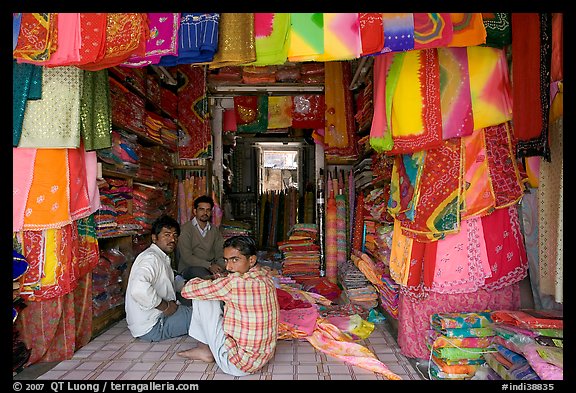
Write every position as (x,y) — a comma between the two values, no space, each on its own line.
(48,200)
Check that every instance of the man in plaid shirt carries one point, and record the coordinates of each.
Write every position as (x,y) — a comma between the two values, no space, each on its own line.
(242,336)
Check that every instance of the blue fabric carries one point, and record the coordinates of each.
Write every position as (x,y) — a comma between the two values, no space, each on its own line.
(197,39)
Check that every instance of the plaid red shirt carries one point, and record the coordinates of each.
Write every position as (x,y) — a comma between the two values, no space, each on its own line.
(251,314)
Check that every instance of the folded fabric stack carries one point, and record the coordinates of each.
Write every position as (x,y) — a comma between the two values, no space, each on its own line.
(107,280)
(356,287)
(301,255)
(149,203)
(231,228)
(113,218)
(529,344)
(388,295)
(458,343)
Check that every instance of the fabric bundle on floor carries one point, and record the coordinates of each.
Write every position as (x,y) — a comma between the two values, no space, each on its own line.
(535,338)
(302,321)
(457,342)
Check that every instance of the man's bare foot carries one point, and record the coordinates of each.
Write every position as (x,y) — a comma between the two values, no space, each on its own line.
(201,352)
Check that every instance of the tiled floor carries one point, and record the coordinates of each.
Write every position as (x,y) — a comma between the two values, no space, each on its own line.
(116,355)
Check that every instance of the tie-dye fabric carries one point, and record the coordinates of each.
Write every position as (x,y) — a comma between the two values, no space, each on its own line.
(498,28)
(398,32)
(341,37)
(380,132)
(455,100)
(489,86)
(415,112)
(478,197)
(467,29)
(432,30)
(272,38)
(306,36)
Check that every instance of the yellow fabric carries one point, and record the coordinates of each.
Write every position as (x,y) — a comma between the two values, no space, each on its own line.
(279,112)
(407,99)
(489,86)
(400,255)
(336,128)
(51,259)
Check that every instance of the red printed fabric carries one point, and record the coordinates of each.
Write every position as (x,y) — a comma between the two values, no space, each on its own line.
(530,319)
(246,109)
(308,111)
(193,113)
(505,248)
(438,207)
(371,32)
(504,174)
(126,35)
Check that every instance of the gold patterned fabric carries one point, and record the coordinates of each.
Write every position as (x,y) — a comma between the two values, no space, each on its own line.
(236,43)
(96,111)
(54,120)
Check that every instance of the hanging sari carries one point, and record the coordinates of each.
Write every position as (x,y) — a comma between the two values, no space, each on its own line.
(126,35)
(341,37)
(380,131)
(272,38)
(437,210)
(54,120)
(432,30)
(279,112)
(193,114)
(498,28)
(96,111)
(478,197)
(504,174)
(505,248)
(413,110)
(398,32)
(38,37)
(236,42)
(306,36)
(455,99)
(467,29)
(531,62)
(26,85)
(371,32)
(163,39)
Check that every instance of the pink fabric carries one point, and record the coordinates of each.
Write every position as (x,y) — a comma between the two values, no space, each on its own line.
(461,260)
(545,370)
(414,317)
(79,199)
(69,41)
(303,319)
(91,162)
(22,172)
(163,40)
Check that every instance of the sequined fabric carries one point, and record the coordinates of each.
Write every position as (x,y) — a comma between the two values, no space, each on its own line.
(54,120)
(96,111)
(236,40)
(26,85)
(126,35)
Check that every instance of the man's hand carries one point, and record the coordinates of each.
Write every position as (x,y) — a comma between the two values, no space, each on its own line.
(215,268)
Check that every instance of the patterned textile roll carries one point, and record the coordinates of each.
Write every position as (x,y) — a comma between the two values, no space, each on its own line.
(358,223)
(331,239)
(341,255)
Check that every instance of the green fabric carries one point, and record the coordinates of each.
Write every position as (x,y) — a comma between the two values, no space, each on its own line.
(96,111)
(261,122)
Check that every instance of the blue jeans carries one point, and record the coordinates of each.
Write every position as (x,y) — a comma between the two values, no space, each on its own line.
(175,325)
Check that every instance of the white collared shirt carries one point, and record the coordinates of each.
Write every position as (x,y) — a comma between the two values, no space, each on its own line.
(204,231)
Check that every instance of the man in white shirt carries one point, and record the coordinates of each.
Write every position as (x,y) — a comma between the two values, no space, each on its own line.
(152,312)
